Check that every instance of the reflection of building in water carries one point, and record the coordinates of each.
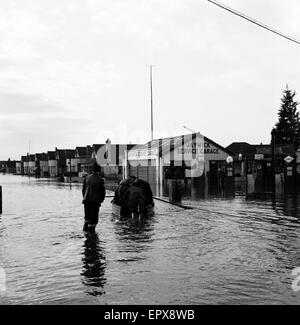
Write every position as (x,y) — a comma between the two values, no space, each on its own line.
(94,264)
(291,206)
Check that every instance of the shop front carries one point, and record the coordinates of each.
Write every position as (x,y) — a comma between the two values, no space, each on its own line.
(196,160)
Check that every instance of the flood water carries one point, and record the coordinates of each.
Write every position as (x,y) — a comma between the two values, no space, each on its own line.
(224,251)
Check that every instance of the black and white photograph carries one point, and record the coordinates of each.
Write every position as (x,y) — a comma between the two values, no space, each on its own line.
(149,155)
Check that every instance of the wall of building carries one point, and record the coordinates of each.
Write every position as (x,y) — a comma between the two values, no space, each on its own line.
(32,167)
(19,168)
(53,168)
(44,166)
(156,170)
(26,167)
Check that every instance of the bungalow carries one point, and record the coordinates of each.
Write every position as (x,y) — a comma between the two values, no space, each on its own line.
(52,164)
(3,165)
(194,159)
(69,157)
(19,169)
(42,164)
(25,160)
(83,161)
(111,157)
(32,164)
(253,165)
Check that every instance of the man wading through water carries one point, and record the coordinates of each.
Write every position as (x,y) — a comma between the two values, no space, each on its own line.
(93,193)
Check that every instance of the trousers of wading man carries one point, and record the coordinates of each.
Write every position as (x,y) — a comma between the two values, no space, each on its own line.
(91,213)
(93,193)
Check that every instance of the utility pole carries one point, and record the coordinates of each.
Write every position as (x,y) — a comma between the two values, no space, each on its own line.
(29,159)
(151,99)
(273,143)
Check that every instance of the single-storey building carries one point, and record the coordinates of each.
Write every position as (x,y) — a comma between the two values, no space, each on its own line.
(32,165)
(26,165)
(193,158)
(82,161)
(52,164)
(253,165)
(42,164)
(111,157)
(19,169)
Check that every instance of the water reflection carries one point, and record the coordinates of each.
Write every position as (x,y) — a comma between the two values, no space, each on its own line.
(291,204)
(283,205)
(134,229)
(134,238)
(220,252)
(93,265)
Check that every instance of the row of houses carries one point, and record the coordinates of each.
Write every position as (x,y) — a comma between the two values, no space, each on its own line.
(72,162)
(7,166)
(157,161)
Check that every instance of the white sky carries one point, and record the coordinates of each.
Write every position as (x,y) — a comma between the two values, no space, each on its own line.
(75,72)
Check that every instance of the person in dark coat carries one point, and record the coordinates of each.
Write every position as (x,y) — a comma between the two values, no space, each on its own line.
(93,193)
(122,189)
(134,201)
(148,194)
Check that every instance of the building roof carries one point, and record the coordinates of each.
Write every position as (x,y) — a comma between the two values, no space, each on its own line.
(51,155)
(96,147)
(63,154)
(32,157)
(243,148)
(70,153)
(38,156)
(60,154)
(84,151)
(171,143)
(250,150)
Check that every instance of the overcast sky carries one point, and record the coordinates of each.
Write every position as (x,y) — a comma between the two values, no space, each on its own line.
(75,72)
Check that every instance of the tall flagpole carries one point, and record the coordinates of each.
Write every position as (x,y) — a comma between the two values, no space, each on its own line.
(151,94)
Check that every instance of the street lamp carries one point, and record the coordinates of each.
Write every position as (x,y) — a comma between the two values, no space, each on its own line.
(188,129)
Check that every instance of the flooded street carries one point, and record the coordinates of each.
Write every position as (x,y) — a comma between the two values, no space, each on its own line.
(224,251)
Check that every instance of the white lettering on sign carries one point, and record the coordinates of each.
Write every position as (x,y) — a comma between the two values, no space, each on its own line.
(204,148)
(143,154)
(259,157)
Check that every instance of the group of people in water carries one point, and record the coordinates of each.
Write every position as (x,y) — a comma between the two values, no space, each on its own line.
(133,196)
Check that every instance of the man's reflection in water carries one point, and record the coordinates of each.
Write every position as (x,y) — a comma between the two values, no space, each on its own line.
(94,264)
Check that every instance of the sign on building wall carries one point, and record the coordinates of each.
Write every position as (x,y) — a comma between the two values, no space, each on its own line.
(143,154)
(259,156)
(288,159)
(198,148)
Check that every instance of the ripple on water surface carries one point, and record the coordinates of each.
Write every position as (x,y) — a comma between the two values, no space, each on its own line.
(224,251)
